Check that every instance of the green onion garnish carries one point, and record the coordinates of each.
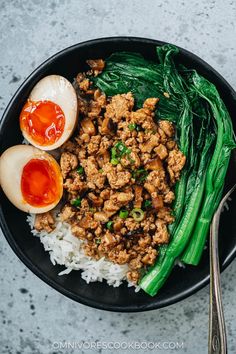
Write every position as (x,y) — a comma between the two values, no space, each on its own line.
(109,225)
(132,126)
(121,147)
(114,161)
(140,175)
(137,214)
(138,128)
(118,151)
(114,157)
(123,214)
(80,170)
(147,203)
(76,202)
(98,241)
(132,161)
(113,152)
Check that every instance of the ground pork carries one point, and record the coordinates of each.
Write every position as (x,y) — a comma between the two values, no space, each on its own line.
(67,213)
(95,179)
(44,222)
(96,65)
(119,160)
(117,179)
(68,163)
(120,107)
(116,201)
(176,161)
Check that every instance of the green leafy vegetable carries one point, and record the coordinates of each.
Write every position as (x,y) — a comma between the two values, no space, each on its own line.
(216,171)
(126,72)
(204,134)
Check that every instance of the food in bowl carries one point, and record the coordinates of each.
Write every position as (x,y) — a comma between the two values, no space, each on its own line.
(115,172)
(142,174)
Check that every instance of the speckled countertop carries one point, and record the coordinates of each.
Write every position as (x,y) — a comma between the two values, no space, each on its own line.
(33,317)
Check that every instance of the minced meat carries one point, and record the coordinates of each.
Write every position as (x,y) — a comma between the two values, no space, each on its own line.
(119,171)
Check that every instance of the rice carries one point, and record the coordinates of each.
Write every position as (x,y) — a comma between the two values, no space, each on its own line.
(67,250)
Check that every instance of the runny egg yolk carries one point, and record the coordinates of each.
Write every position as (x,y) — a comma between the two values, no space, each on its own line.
(43,121)
(40,183)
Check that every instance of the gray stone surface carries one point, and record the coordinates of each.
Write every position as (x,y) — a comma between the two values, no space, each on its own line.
(32,315)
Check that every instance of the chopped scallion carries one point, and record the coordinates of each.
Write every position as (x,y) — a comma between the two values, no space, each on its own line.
(76,202)
(80,170)
(114,161)
(140,175)
(138,128)
(123,214)
(137,214)
(147,203)
(132,126)
(109,225)
(121,147)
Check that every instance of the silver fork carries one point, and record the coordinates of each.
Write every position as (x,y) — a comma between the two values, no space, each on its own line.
(217,342)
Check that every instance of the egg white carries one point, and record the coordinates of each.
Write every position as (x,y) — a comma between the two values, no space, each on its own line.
(57,89)
(12,162)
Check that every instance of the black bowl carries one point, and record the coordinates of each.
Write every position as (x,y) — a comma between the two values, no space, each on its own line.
(182,282)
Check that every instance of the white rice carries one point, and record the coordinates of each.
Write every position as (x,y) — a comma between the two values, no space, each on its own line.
(66,249)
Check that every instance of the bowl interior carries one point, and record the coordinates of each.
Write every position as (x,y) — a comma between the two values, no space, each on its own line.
(183,281)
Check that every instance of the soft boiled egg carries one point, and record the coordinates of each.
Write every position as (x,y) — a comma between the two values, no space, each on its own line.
(30,178)
(49,116)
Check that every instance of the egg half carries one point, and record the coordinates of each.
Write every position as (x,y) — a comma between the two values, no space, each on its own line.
(30,178)
(49,116)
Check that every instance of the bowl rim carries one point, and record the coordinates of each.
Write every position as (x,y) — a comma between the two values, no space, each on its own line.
(30,265)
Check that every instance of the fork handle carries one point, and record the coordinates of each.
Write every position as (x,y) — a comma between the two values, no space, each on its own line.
(217,334)
(217,342)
